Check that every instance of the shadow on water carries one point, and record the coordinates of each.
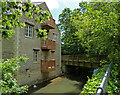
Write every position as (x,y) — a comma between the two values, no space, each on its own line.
(39,86)
(78,73)
(71,84)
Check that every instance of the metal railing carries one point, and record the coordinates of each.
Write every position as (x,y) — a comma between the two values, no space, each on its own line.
(103,86)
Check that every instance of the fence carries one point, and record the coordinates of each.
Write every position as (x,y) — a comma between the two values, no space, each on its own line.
(103,86)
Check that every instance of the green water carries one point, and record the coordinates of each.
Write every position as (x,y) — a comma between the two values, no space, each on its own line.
(64,86)
(69,84)
(60,85)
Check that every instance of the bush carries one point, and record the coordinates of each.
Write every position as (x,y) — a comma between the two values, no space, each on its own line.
(93,83)
(8,82)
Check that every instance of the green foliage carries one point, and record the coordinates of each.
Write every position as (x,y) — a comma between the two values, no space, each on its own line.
(92,84)
(114,82)
(41,33)
(70,43)
(12,11)
(8,83)
(99,32)
(97,27)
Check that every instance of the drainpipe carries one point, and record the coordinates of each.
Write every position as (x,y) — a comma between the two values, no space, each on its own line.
(60,54)
(17,41)
(0,58)
(0,31)
(0,47)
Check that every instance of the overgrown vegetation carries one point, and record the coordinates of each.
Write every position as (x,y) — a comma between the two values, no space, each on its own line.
(93,83)
(97,27)
(8,83)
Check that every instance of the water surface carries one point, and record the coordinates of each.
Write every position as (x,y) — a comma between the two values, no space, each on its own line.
(60,85)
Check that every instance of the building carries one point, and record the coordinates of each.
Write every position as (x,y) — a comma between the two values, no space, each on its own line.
(44,55)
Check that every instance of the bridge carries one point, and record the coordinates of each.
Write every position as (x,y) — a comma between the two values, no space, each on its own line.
(91,61)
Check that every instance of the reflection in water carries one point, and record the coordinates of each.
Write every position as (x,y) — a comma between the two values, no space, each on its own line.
(61,85)
(65,85)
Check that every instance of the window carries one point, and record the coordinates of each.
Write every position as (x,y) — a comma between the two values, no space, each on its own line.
(54,36)
(28,30)
(35,56)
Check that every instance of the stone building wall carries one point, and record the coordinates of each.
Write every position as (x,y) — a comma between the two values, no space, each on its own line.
(20,45)
(9,47)
(30,72)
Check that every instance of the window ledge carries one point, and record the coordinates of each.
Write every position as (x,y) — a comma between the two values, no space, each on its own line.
(28,37)
(36,49)
(35,62)
(52,50)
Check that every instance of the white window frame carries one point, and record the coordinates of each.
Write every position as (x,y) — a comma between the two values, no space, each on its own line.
(35,56)
(29,31)
(54,37)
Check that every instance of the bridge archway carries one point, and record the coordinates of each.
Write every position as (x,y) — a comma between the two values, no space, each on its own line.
(79,71)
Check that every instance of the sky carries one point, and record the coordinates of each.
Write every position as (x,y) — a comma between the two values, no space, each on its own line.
(56,6)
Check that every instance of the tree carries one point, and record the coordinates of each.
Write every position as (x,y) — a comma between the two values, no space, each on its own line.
(99,32)
(11,13)
(70,41)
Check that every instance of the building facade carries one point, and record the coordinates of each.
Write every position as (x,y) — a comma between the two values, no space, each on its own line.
(44,56)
